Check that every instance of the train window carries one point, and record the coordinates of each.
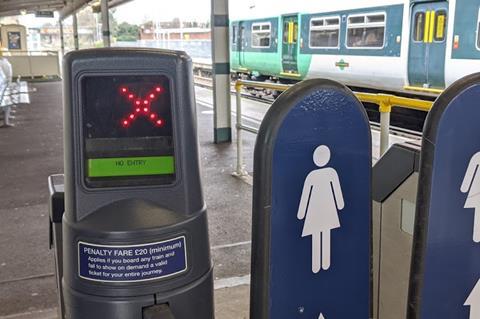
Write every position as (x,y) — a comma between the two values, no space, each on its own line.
(376,18)
(440,25)
(234,34)
(295,32)
(286,29)
(241,36)
(261,33)
(419,28)
(353,20)
(325,32)
(366,31)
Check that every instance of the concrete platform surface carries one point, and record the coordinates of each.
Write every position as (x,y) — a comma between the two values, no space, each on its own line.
(230,303)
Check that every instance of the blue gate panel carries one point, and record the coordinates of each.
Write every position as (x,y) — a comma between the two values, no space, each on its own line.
(317,217)
(446,267)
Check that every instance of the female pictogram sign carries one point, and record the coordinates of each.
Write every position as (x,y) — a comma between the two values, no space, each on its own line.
(321,199)
(471,185)
(141,106)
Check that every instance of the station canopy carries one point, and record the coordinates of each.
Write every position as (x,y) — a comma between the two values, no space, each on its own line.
(43,7)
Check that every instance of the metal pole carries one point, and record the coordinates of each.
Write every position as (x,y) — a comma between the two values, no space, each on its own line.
(62,37)
(6,115)
(222,117)
(105,23)
(75,32)
(181,29)
(240,171)
(384,127)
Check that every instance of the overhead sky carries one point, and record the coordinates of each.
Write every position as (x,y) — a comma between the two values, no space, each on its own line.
(139,11)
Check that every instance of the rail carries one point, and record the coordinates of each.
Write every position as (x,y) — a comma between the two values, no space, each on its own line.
(385,102)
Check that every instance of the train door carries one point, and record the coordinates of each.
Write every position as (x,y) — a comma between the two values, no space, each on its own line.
(290,44)
(426,61)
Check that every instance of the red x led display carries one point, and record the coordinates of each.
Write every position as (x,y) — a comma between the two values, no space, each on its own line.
(141,106)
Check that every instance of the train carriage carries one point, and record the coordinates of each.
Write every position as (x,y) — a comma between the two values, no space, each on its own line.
(393,45)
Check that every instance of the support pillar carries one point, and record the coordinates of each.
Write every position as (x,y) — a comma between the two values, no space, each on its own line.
(105,23)
(62,37)
(221,72)
(75,32)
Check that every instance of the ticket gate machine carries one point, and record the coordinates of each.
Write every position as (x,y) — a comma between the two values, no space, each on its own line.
(394,193)
(133,241)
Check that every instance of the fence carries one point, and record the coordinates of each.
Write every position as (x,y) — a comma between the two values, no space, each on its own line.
(32,64)
(385,102)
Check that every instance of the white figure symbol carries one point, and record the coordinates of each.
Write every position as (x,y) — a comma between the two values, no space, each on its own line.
(473,301)
(321,199)
(321,317)
(471,185)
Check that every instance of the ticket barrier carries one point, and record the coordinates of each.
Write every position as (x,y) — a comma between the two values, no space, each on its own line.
(56,210)
(394,192)
(426,226)
(369,254)
(445,272)
(128,220)
(56,207)
(311,242)
(312,235)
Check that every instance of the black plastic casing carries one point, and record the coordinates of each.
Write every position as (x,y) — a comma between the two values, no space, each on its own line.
(135,215)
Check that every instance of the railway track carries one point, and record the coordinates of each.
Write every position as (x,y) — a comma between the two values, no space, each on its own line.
(207,83)
(372,110)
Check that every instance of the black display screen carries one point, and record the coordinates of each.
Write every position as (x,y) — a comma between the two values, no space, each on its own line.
(128,130)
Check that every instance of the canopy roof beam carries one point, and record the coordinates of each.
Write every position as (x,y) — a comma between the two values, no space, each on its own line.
(64,7)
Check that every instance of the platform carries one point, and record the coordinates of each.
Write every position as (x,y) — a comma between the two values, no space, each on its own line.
(32,150)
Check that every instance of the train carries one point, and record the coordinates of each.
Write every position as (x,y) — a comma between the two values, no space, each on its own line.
(407,46)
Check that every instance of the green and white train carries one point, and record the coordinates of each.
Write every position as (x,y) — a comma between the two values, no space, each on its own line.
(390,45)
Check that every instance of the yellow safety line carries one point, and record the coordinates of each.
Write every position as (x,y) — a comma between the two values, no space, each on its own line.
(297,75)
(432,26)
(422,89)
